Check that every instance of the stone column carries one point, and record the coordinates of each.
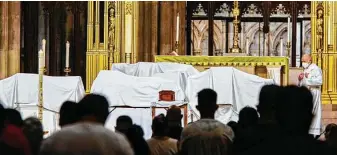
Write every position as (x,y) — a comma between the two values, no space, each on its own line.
(3,39)
(180,6)
(166,27)
(14,21)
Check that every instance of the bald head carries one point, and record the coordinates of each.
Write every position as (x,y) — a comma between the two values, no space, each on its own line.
(306,58)
(86,139)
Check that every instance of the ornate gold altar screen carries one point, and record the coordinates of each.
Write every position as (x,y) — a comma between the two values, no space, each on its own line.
(120,20)
(324,46)
(120,40)
(253,65)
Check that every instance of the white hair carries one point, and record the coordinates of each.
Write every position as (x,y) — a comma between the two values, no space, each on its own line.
(86,139)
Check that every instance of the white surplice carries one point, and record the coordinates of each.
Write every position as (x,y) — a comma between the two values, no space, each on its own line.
(314,82)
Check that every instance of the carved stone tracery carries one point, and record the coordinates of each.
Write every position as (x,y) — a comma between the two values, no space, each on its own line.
(199,11)
(304,11)
(280,10)
(223,11)
(252,11)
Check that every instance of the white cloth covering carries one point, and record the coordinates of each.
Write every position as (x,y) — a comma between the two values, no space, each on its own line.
(275,74)
(125,90)
(148,69)
(170,71)
(314,82)
(233,86)
(7,91)
(21,90)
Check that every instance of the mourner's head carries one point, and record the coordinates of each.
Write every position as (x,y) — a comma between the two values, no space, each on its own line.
(295,115)
(123,123)
(93,108)
(174,115)
(306,60)
(86,139)
(207,103)
(13,117)
(68,113)
(269,97)
(159,125)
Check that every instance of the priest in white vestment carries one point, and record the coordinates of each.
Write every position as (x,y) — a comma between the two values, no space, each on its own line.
(312,79)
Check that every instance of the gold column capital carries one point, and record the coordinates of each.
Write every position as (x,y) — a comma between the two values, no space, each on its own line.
(128,8)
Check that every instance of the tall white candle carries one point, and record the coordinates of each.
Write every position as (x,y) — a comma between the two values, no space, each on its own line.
(281,47)
(247,45)
(41,59)
(288,29)
(128,34)
(177,29)
(44,45)
(67,54)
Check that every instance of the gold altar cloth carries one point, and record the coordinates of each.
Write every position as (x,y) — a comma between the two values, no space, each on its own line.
(234,61)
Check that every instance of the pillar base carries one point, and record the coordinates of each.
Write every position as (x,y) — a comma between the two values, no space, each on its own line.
(333,97)
(329,98)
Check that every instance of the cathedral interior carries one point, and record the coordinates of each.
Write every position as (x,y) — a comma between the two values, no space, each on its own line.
(100,33)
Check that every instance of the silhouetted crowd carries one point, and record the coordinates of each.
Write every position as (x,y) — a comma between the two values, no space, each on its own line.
(278,125)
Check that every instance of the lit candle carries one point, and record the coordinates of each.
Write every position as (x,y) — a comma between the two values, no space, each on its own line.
(288,29)
(67,54)
(281,47)
(247,45)
(177,29)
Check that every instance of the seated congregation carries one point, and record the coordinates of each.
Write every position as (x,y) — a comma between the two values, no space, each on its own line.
(278,125)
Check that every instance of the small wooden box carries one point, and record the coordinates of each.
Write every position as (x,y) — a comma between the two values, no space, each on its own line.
(166,95)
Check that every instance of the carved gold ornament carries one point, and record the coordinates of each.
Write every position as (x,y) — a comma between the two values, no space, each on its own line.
(128,8)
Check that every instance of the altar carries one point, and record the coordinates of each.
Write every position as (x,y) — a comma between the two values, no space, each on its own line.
(266,67)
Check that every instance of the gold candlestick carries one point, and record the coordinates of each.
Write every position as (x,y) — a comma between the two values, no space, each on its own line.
(67,71)
(236,22)
(288,49)
(128,58)
(40,97)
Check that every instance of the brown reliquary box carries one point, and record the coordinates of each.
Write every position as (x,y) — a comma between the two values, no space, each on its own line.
(166,95)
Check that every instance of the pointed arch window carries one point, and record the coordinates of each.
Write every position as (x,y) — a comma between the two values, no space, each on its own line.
(209,28)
